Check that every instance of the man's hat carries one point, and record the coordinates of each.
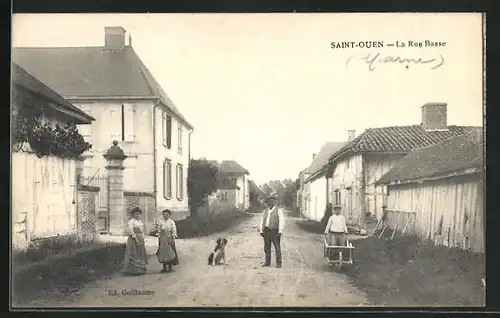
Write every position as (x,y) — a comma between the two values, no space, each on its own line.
(337,207)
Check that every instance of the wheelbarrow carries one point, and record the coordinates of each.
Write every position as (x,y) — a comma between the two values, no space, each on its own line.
(338,256)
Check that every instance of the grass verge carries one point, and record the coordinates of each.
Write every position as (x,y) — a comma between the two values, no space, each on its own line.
(197,227)
(62,275)
(408,272)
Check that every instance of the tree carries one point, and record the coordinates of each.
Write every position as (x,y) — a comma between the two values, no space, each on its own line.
(201,183)
(290,194)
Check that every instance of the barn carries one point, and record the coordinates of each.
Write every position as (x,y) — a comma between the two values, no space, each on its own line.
(437,192)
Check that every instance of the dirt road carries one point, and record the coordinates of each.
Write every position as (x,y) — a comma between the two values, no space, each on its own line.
(304,279)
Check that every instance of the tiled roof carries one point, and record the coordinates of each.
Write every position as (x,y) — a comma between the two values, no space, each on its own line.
(231,166)
(92,72)
(21,78)
(398,139)
(321,158)
(450,156)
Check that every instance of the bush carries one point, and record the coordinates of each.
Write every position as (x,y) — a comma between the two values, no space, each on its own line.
(62,275)
(408,272)
(197,226)
(40,249)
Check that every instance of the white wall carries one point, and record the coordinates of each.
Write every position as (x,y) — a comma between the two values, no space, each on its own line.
(43,192)
(178,202)
(138,146)
(318,199)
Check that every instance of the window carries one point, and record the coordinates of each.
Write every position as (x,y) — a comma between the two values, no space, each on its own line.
(114,125)
(180,182)
(167,179)
(167,130)
(179,140)
(337,197)
(128,123)
(233,180)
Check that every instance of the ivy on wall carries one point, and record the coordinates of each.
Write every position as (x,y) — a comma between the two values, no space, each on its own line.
(43,137)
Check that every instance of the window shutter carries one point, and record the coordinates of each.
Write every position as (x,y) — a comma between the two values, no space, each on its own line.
(181,182)
(164,128)
(114,125)
(177,192)
(169,179)
(179,139)
(129,122)
(169,131)
(167,183)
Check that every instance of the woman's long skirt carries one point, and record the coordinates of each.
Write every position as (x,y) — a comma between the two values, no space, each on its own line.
(167,253)
(136,258)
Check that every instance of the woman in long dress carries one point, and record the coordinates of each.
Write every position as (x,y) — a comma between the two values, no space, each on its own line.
(136,259)
(167,232)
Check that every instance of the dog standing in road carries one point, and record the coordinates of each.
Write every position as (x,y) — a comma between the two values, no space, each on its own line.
(219,253)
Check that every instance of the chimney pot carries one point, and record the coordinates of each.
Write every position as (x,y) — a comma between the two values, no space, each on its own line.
(434,116)
(314,155)
(351,134)
(114,38)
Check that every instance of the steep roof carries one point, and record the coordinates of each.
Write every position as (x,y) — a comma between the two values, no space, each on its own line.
(323,155)
(454,155)
(231,166)
(93,72)
(398,139)
(255,188)
(24,80)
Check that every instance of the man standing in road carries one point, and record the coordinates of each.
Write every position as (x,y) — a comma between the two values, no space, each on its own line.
(271,229)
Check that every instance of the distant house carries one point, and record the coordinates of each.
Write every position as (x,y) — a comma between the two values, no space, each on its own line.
(238,177)
(303,191)
(356,167)
(42,188)
(113,85)
(317,182)
(440,190)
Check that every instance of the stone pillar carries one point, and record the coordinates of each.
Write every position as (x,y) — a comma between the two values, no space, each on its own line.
(116,202)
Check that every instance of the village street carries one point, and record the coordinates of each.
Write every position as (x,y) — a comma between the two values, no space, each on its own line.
(304,280)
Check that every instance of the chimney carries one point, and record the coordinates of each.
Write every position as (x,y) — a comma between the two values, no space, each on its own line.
(434,116)
(114,38)
(314,156)
(351,134)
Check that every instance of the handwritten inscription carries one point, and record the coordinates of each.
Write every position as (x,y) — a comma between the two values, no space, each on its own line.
(374,60)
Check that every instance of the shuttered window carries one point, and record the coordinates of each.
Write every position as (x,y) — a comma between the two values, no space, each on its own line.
(179,139)
(180,182)
(128,122)
(166,128)
(114,125)
(167,179)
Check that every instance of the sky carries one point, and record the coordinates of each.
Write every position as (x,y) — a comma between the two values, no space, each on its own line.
(267,90)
